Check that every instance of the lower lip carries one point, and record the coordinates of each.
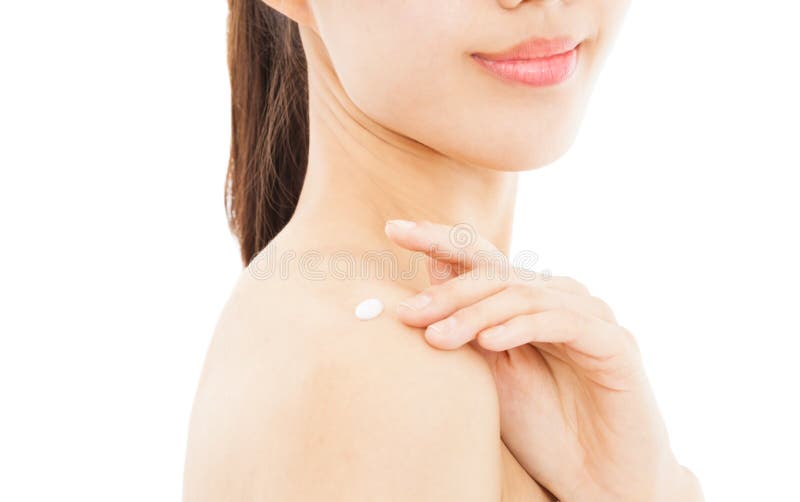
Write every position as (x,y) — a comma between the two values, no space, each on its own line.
(536,72)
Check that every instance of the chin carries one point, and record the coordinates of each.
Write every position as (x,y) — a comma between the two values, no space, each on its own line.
(529,144)
(525,156)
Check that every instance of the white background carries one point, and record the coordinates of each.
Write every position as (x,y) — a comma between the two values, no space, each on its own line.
(677,204)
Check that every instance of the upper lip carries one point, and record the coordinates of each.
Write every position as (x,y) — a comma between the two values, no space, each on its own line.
(532,48)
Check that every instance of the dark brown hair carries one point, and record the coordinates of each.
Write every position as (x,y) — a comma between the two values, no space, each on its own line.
(269,123)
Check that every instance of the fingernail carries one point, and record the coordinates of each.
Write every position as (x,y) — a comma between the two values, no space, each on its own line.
(399,224)
(442,327)
(416,302)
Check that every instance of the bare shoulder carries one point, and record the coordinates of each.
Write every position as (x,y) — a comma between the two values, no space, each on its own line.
(300,400)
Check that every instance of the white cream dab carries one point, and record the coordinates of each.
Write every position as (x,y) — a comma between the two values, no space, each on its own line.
(369,309)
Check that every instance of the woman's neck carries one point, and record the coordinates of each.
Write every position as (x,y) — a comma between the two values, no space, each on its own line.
(361,174)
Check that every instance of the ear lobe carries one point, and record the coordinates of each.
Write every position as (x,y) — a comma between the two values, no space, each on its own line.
(296,10)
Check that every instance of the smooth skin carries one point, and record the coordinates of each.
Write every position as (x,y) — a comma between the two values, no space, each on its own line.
(299,400)
(570,379)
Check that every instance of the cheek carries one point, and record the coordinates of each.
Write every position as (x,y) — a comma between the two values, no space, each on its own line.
(390,54)
(610,15)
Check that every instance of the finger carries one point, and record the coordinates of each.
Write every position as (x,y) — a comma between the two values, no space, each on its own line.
(514,300)
(439,271)
(567,284)
(585,334)
(572,286)
(460,244)
(446,296)
(441,300)
(464,324)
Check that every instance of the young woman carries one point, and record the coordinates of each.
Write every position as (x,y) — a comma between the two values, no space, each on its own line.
(479,381)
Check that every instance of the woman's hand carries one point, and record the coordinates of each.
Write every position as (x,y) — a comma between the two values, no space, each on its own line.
(576,408)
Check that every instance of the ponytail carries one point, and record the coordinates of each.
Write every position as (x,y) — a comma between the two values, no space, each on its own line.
(269,123)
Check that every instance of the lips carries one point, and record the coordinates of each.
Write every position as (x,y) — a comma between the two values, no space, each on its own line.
(536,61)
(533,48)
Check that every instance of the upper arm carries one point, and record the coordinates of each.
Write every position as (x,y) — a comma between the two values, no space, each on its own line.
(395,421)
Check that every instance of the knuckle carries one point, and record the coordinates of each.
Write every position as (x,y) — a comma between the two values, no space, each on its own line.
(604,308)
(530,293)
(578,286)
(575,285)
